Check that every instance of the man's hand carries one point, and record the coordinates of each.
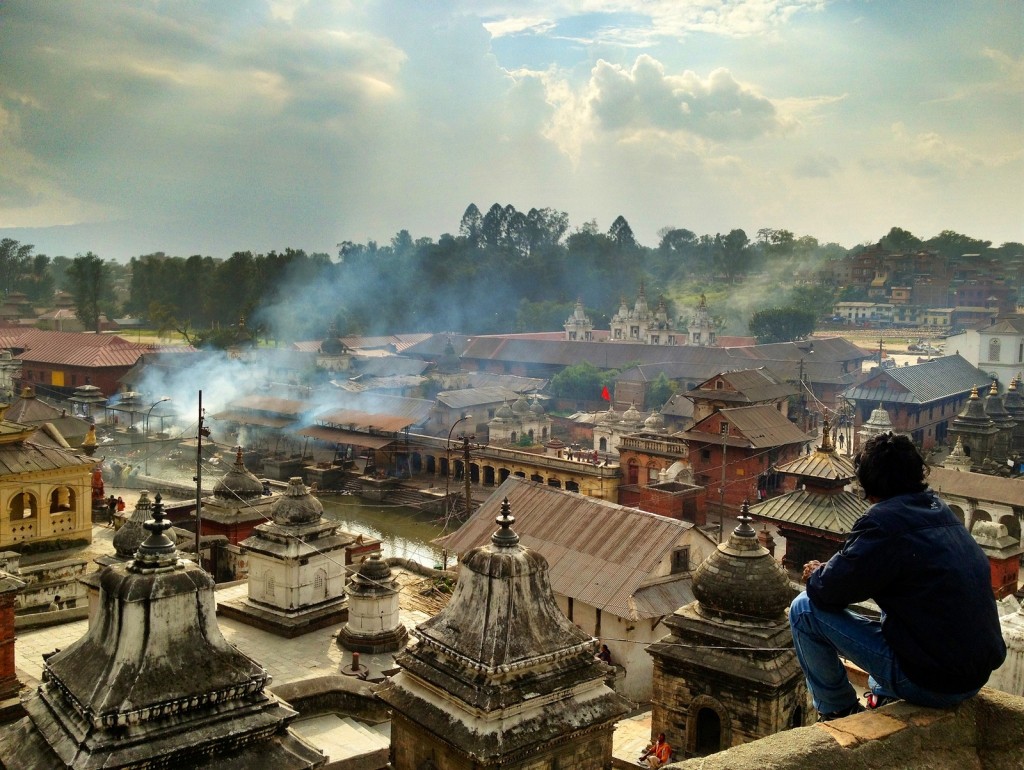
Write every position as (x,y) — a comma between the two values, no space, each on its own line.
(809,567)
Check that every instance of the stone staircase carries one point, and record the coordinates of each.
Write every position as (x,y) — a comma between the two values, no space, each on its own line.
(347,742)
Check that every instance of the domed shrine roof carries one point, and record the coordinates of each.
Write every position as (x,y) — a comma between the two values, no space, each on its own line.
(536,407)
(504,412)
(297,505)
(521,406)
(741,579)
(655,421)
(129,537)
(238,483)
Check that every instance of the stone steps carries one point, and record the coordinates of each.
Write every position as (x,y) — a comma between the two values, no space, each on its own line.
(342,737)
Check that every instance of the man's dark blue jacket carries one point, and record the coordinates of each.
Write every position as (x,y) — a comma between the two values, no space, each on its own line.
(915,559)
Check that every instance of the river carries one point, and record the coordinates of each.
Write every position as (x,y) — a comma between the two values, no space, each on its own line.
(403,531)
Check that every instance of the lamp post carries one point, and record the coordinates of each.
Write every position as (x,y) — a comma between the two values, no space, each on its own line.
(149,412)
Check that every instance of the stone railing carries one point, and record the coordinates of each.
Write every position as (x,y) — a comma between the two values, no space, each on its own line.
(986,731)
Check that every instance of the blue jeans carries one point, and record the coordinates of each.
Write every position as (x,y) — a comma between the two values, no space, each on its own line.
(821,637)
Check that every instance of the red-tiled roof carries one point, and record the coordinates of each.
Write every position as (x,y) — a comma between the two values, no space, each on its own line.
(74,348)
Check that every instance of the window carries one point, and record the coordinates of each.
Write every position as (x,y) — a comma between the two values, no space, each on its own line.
(993,350)
(705,454)
(680,559)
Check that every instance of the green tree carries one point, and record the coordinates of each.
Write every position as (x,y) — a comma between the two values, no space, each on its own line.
(781,324)
(661,390)
(580,382)
(89,287)
(900,241)
(15,263)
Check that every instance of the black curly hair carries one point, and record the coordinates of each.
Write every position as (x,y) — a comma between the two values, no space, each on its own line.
(889,465)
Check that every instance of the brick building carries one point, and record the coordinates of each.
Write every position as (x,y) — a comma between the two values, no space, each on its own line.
(748,442)
(921,400)
(55,363)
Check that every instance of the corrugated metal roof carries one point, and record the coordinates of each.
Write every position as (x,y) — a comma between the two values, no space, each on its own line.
(748,386)
(339,436)
(283,406)
(761,426)
(510,381)
(74,348)
(598,552)
(459,399)
(833,514)
(390,366)
(353,418)
(977,486)
(251,418)
(922,383)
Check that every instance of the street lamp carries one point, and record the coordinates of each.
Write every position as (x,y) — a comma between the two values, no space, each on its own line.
(149,412)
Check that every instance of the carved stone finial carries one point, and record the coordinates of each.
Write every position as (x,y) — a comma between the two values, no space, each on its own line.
(505,537)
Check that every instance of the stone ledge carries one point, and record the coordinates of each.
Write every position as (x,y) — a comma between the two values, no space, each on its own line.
(986,732)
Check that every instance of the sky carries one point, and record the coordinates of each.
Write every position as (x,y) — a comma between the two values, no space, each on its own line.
(214,126)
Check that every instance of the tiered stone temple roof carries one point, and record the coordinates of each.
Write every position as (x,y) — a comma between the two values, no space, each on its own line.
(501,674)
(153,683)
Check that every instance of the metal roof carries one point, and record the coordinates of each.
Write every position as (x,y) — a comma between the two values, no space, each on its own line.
(820,465)
(922,383)
(598,552)
(339,436)
(251,418)
(760,426)
(282,406)
(390,366)
(977,486)
(747,386)
(459,399)
(74,348)
(353,418)
(833,514)
(764,426)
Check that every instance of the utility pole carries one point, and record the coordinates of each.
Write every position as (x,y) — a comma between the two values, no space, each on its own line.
(203,431)
(724,430)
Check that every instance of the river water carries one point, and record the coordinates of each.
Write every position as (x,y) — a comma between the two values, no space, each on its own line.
(403,531)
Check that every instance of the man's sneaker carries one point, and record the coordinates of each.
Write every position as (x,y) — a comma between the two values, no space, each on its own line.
(856,708)
(874,701)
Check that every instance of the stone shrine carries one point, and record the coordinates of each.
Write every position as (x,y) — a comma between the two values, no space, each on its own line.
(373,621)
(296,568)
(500,677)
(153,683)
(727,674)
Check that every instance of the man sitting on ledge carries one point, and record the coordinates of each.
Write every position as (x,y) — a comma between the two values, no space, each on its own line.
(939,637)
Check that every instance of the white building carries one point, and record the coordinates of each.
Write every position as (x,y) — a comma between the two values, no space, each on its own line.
(997,348)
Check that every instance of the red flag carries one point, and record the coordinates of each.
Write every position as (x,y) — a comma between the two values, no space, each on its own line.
(605,394)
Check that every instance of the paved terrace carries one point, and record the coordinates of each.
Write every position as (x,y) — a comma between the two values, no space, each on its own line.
(315,655)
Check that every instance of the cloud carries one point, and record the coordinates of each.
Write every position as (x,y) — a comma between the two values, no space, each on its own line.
(718,107)
(516,25)
(817,166)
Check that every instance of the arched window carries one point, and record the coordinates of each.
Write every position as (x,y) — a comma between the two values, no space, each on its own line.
(993,350)
(62,499)
(23,506)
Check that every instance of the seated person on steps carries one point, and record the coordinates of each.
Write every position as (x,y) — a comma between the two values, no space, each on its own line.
(657,754)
